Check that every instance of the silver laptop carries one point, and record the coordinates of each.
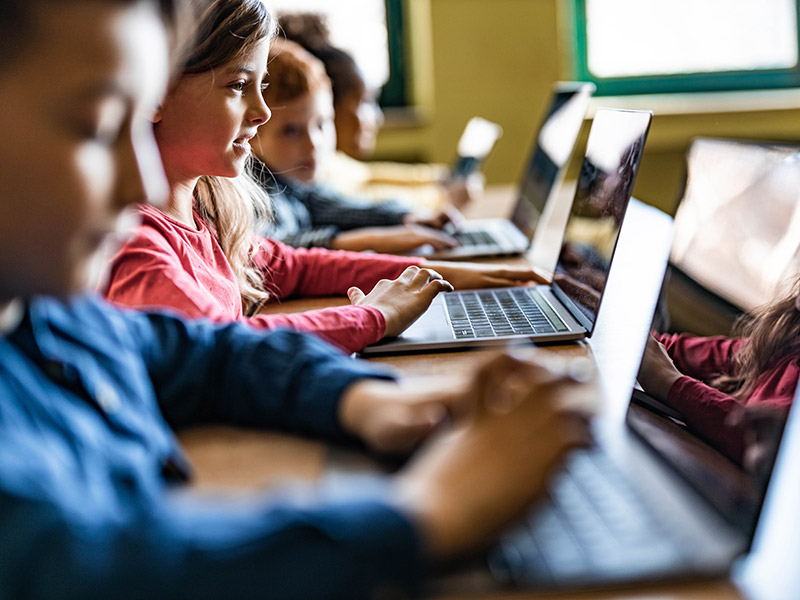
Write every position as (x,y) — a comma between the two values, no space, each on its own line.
(650,502)
(540,183)
(566,309)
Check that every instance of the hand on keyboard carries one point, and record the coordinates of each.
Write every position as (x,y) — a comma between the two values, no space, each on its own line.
(473,480)
(402,300)
(472,276)
(392,240)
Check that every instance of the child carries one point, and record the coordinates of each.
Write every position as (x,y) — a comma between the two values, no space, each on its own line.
(357,119)
(89,467)
(200,255)
(712,380)
(295,146)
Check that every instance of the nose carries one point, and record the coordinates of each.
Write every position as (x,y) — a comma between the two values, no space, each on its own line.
(141,175)
(259,111)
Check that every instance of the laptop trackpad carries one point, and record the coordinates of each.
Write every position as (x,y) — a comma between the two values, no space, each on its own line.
(432,326)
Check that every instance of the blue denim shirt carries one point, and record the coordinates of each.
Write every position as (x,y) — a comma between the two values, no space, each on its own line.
(90,469)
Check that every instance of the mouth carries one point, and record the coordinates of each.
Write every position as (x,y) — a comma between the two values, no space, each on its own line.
(242,143)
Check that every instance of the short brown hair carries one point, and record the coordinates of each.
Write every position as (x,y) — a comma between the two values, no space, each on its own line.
(293,72)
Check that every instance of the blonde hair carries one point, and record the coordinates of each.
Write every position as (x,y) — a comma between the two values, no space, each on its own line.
(233,207)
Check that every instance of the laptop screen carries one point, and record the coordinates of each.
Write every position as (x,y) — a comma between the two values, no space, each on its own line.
(555,141)
(736,489)
(613,153)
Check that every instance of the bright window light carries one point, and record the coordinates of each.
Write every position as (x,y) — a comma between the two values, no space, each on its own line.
(629,38)
(357,26)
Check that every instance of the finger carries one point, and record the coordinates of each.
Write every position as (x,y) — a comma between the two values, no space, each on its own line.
(520,275)
(424,276)
(439,239)
(488,378)
(355,295)
(434,287)
(413,427)
(409,273)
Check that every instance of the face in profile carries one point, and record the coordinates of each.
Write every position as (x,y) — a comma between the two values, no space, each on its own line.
(358,120)
(207,119)
(77,145)
(299,138)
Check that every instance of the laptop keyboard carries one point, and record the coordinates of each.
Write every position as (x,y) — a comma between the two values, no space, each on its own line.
(492,313)
(476,238)
(593,527)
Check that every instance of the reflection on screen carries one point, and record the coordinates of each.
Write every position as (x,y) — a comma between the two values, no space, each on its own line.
(604,187)
(736,490)
(554,144)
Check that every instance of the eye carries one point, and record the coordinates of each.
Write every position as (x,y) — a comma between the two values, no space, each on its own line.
(238,86)
(291,131)
(264,87)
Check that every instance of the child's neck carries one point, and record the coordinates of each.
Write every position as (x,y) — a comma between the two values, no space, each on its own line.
(180,205)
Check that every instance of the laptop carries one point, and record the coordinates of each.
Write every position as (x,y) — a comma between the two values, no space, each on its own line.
(474,146)
(541,181)
(566,309)
(650,502)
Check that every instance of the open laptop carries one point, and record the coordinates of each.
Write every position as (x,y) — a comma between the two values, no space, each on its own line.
(566,309)
(553,146)
(650,502)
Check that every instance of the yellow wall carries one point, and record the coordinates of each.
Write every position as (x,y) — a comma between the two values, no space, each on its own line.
(498,58)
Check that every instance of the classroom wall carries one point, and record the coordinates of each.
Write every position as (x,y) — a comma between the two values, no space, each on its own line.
(498,59)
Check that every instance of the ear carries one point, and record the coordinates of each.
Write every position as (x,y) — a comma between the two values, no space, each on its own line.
(156,118)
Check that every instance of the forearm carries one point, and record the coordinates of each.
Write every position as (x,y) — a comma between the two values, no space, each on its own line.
(280,379)
(711,414)
(318,237)
(350,328)
(701,357)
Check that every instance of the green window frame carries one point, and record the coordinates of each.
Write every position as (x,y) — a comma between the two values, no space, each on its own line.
(679,83)
(394,91)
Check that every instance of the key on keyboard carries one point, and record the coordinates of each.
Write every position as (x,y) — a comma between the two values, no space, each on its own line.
(593,527)
(475,238)
(493,313)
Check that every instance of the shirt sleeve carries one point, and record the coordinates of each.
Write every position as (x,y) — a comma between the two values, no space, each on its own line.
(283,379)
(328,207)
(59,542)
(316,237)
(148,274)
(710,413)
(299,272)
(702,358)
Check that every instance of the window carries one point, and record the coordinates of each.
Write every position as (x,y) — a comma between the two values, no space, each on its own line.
(371,31)
(652,46)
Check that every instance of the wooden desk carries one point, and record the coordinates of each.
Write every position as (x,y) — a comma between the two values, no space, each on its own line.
(234,460)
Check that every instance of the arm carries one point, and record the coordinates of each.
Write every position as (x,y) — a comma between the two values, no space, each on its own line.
(712,414)
(104,546)
(149,273)
(701,357)
(328,207)
(298,272)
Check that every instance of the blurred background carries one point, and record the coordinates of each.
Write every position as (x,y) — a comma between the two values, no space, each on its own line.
(720,68)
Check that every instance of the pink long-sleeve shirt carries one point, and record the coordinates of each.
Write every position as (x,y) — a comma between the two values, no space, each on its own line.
(708,410)
(167,264)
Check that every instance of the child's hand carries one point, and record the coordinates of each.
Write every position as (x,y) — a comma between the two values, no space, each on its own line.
(470,276)
(449,217)
(393,418)
(462,191)
(468,484)
(657,372)
(402,300)
(392,240)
